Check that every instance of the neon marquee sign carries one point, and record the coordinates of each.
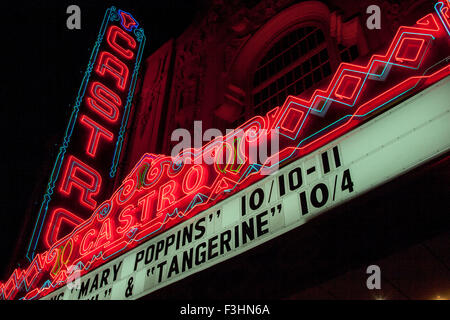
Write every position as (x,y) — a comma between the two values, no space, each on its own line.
(162,191)
(88,158)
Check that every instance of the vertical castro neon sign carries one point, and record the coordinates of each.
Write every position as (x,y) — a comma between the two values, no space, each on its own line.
(87,161)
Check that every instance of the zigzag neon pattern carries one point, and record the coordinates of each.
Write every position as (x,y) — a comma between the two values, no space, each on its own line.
(416,58)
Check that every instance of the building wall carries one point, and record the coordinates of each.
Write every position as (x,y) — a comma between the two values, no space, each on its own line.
(207,73)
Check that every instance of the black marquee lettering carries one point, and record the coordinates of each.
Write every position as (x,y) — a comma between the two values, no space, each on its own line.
(260,196)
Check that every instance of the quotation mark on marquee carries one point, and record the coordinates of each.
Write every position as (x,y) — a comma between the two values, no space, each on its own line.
(74,20)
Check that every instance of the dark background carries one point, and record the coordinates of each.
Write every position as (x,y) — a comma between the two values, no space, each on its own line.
(42,65)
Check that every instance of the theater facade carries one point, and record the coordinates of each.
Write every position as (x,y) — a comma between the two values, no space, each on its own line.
(354,121)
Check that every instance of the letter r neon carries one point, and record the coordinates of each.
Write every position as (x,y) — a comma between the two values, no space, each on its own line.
(84,178)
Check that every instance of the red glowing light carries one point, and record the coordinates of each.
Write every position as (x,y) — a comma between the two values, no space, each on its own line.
(57,217)
(194,178)
(105,233)
(166,195)
(409,49)
(126,217)
(82,177)
(96,132)
(292,120)
(347,87)
(147,205)
(127,20)
(108,63)
(97,127)
(104,102)
(83,249)
(158,194)
(111,38)
(443,9)
(429,22)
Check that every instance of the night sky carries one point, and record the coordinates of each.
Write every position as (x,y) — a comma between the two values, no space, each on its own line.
(42,65)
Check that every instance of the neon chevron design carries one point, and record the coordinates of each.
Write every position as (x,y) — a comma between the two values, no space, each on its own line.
(320,101)
(162,191)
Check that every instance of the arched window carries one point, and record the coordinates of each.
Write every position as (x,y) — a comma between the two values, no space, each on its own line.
(295,63)
(296,50)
